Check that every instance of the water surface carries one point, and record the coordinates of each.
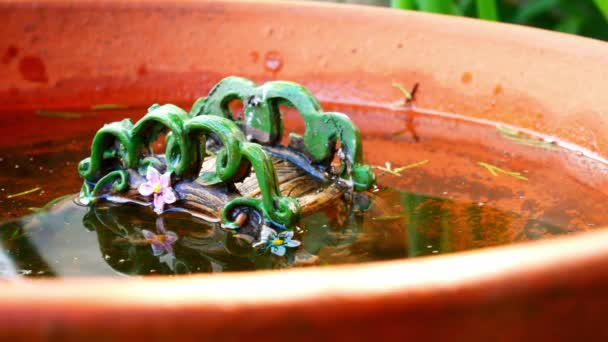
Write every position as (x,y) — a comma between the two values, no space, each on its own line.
(444,185)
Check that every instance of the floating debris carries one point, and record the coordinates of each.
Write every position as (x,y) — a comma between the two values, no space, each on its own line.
(519,138)
(109,106)
(388,217)
(411,166)
(26,192)
(409,95)
(55,201)
(59,114)
(49,204)
(494,170)
(17,233)
(387,168)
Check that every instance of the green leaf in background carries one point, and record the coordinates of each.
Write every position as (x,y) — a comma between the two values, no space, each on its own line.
(404,4)
(486,9)
(569,25)
(530,9)
(602,5)
(586,18)
(437,6)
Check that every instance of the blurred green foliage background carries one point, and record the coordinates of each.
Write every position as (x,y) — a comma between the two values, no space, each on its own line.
(583,17)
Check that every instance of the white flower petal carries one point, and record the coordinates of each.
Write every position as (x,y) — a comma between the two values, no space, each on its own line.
(146,189)
(152,175)
(286,235)
(292,243)
(267,233)
(165,180)
(159,203)
(169,196)
(278,250)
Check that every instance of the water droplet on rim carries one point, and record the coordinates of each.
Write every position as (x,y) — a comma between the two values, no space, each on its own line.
(273,61)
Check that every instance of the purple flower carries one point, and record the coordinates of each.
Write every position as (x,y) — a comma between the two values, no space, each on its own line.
(160,187)
(162,242)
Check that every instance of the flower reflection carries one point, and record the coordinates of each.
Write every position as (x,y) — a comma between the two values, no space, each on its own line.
(161,243)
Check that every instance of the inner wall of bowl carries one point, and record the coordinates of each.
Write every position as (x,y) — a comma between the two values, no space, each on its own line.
(62,56)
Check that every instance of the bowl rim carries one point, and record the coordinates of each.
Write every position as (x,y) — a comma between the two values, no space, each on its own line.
(408,282)
(440,261)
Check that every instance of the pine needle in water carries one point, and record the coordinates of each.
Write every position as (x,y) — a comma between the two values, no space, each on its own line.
(411,166)
(387,168)
(519,138)
(17,233)
(388,217)
(55,201)
(494,170)
(409,95)
(59,114)
(109,106)
(23,193)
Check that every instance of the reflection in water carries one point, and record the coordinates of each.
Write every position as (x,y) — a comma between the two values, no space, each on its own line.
(447,203)
(7,268)
(179,244)
(70,240)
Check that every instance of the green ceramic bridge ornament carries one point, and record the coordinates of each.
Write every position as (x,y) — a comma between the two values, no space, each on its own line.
(224,169)
(262,122)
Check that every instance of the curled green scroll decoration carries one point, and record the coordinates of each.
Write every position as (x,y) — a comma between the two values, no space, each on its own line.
(117,178)
(112,144)
(263,123)
(274,207)
(216,103)
(121,150)
(229,164)
(123,146)
(158,120)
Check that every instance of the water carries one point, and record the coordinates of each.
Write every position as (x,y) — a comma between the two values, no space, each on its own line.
(435,196)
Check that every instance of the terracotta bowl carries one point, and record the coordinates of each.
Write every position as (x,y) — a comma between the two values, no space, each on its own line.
(58,53)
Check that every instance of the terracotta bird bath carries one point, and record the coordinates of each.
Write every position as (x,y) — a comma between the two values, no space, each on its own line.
(62,54)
